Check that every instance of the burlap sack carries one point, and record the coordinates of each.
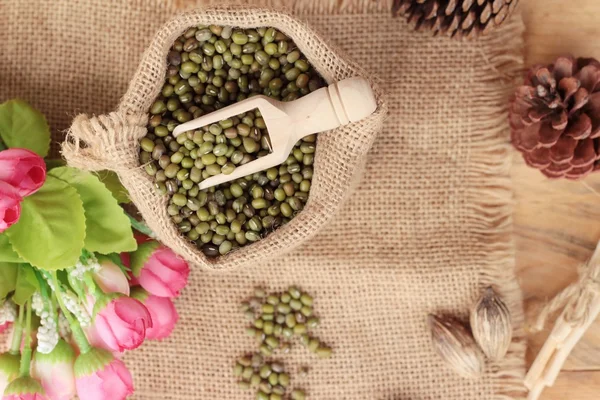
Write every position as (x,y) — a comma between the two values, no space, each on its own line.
(112,141)
(427,227)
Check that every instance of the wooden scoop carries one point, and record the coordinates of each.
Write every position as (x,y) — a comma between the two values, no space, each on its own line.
(327,108)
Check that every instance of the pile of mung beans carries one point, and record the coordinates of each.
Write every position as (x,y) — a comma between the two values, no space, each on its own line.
(269,378)
(210,67)
(276,319)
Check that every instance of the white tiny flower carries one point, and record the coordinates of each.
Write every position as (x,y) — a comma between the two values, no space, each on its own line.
(80,269)
(47,334)
(37,303)
(64,329)
(8,312)
(76,308)
(50,283)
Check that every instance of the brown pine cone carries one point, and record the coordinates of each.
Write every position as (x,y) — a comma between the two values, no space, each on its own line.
(456,18)
(555,118)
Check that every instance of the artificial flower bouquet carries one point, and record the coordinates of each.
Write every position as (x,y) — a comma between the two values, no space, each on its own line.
(78,285)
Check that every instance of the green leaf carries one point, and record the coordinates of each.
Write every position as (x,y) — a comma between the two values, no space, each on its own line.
(26,284)
(7,253)
(23,126)
(51,231)
(112,182)
(8,278)
(141,226)
(107,227)
(141,255)
(63,278)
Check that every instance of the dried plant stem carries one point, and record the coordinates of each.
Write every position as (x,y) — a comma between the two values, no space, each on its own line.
(581,303)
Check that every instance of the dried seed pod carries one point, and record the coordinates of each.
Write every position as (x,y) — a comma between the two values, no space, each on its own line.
(491,325)
(454,343)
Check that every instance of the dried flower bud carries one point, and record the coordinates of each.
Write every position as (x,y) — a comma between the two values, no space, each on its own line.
(456,346)
(491,325)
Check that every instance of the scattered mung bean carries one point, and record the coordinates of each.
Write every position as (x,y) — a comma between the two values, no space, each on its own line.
(277,318)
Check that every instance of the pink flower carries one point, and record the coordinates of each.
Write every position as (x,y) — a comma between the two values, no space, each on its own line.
(4,327)
(122,322)
(140,237)
(93,338)
(55,371)
(125,259)
(111,278)
(100,376)
(163,312)
(159,270)
(9,369)
(24,388)
(91,331)
(10,205)
(23,169)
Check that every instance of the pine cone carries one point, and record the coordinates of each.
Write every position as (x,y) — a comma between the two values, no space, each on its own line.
(555,118)
(456,18)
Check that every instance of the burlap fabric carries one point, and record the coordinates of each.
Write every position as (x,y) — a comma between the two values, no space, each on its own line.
(427,227)
(112,141)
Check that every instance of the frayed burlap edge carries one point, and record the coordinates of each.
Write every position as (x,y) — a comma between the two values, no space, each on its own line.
(490,191)
(111,141)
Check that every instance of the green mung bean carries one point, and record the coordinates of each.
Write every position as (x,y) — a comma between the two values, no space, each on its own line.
(298,395)
(324,352)
(209,68)
(306,311)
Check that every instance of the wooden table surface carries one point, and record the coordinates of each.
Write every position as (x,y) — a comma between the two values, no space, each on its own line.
(557,223)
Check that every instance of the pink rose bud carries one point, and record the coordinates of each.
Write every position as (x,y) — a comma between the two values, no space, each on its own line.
(93,338)
(9,369)
(140,237)
(100,376)
(10,206)
(91,331)
(24,388)
(4,327)
(163,312)
(121,322)
(23,169)
(110,278)
(55,371)
(158,270)
(126,260)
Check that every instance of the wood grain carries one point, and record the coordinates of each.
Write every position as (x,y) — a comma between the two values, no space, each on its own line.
(575,386)
(557,223)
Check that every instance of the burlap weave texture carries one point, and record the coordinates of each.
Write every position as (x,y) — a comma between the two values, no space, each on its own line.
(428,225)
(112,141)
